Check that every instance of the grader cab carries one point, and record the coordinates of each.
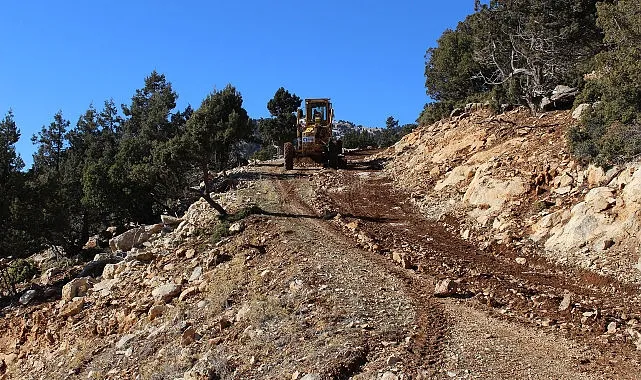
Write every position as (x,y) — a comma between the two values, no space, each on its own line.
(314,136)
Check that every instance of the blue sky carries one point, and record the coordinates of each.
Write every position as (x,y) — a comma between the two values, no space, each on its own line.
(368,56)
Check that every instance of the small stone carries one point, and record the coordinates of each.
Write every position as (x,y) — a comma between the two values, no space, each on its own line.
(72,308)
(311,376)
(236,228)
(521,260)
(124,341)
(166,293)
(352,226)
(565,303)
(445,288)
(156,311)
(190,253)
(188,336)
(27,297)
(189,292)
(223,323)
(612,327)
(393,360)
(389,376)
(196,274)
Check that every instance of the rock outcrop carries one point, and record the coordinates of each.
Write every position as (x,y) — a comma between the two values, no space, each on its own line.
(510,178)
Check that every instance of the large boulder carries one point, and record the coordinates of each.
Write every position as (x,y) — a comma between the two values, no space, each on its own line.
(134,237)
(486,191)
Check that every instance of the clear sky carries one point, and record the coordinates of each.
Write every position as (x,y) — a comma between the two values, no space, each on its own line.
(368,56)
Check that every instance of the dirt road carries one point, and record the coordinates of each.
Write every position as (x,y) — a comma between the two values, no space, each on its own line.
(504,319)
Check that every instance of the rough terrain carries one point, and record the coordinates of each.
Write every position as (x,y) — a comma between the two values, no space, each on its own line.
(391,269)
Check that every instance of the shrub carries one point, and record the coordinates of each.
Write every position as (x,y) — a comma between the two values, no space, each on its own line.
(16,272)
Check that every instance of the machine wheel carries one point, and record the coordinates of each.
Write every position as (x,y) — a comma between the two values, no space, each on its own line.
(288,152)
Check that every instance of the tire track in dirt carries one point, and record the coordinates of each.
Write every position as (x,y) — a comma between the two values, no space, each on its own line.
(424,354)
(532,293)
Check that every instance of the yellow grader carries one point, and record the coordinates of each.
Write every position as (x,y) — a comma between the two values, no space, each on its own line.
(314,136)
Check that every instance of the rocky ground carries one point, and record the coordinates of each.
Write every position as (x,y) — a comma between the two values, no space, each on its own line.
(363,273)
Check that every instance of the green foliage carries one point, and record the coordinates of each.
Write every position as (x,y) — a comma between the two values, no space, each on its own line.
(281,127)
(16,272)
(450,69)
(435,111)
(611,132)
(510,51)
(11,239)
(212,131)
(265,153)
(363,138)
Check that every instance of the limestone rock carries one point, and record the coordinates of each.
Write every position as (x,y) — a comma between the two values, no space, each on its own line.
(457,175)
(170,220)
(389,376)
(156,311)
(144,256)
(596,175)
(72,308)
(236,228)
(112,270)
(76,288)
(134,237)
(600,198)
(46,277)
(124,341)
(566,302)
(165,293)
(581,110)
(487,191)
(445,288)
(196,274)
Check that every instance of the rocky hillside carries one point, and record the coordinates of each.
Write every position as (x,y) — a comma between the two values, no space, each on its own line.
(509,179)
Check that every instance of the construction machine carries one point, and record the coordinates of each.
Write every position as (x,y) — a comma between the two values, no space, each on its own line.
(314,136)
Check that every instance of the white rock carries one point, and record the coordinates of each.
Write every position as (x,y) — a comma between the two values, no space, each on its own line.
(580,110)
(166,293)
(565,303)
(124,341)
(563,190)
(389,376)
(170,220)
(27,297)
(444,288)
(196,274)
(76,288)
